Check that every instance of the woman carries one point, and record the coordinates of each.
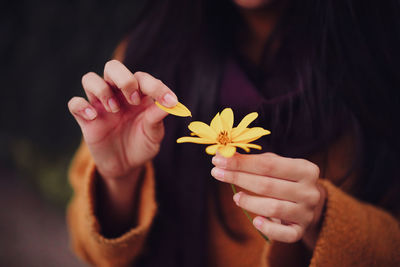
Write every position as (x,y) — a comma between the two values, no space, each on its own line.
(321,74)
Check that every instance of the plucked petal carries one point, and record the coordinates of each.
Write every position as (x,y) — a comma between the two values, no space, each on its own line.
(249,118)
(252,133)
(196,140)
(202,130)
(227,151)
(227,119)
(216,123)
(179,110)
(211,150)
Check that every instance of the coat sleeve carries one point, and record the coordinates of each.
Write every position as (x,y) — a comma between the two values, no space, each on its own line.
(85,228)
(354,233)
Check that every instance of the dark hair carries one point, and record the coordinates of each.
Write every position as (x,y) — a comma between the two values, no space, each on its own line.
(336,65)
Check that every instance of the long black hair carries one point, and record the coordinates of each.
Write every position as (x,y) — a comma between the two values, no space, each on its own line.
(336,66)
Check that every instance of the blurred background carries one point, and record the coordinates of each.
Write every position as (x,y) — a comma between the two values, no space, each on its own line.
(45,48)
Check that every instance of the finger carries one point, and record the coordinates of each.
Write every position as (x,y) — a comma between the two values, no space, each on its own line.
(154,88)
(152,122)
(98,90)
(120,77)
(81,109)
(261,185)
(279,232)
(269,164)
(269,207)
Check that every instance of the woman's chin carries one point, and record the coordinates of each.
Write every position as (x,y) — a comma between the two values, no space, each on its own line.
(252,4)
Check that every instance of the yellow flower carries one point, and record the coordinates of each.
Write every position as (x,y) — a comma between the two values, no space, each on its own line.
(223,136)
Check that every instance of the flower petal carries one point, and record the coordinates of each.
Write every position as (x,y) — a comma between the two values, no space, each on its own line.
(211,150)
(246,147)
(216,124)
(227,151)
(250,140)
(203,130)
(179,110)
(249,118)
(242,146)
(234,132)
(196,140)
(252,134)
(227,119)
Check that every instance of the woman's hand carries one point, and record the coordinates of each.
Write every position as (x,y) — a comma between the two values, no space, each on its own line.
(123,129)
(120,123)
(283,191)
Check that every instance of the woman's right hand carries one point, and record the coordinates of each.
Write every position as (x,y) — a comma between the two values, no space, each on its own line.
(120,123)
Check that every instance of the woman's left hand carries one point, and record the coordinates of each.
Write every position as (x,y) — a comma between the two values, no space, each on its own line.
(285,193)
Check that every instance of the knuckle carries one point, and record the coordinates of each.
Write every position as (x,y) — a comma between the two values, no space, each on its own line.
(143,77)
(86,77)
(129,83)
(110,64)
(275,209)
(103,89)
(268,164)
(314,197)
(233,163)
(160,87)
(232,177)
(313,170)
(139,74)
(266,188)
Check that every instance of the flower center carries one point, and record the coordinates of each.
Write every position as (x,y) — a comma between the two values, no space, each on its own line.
(223,138)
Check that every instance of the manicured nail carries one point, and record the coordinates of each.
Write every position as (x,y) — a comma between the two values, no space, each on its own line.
(219,161)
(135,98)
(257,222)
(170,100)
(90,114)
(236,197)
(217,173)
(113,105)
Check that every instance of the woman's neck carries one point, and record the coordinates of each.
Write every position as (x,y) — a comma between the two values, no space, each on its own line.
(259,24)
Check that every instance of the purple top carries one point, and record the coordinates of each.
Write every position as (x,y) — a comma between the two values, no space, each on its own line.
(237,91)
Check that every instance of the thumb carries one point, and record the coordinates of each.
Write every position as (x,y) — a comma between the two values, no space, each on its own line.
(153,125)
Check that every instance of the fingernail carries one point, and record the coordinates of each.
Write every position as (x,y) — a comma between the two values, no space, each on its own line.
(90,114)
(217,173)
(170,100)
(257,222)
(113,105)
(135,98)
(220,161)
(236,197)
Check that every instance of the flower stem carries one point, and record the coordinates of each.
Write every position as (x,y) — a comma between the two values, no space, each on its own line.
(248,216)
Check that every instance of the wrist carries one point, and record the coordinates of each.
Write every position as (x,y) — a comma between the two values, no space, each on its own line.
(127,180)
(117,202)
